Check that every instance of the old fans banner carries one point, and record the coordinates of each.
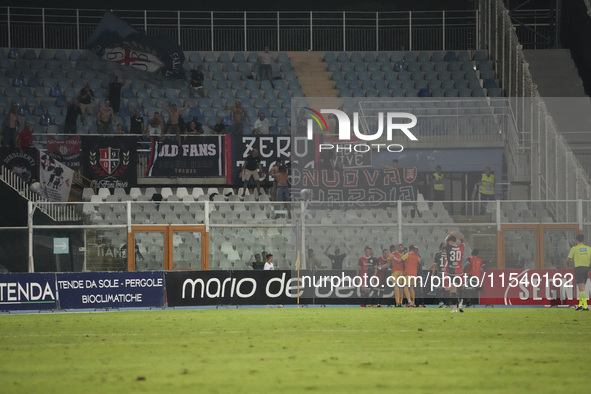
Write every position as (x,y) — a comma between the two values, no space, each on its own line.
(195,157)
(110,161)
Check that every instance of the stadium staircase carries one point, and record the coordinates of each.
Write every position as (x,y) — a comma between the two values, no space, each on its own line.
(565,97)
(56,212)
(311,72)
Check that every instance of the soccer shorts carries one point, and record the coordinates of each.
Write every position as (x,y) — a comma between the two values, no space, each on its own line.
(581,274)
(248,173)
(411,281)
(395,275)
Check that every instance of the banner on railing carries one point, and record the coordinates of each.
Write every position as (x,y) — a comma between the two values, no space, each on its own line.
(28,292)
(194,157)
(22,162)
(530,287)
(358,184)
(65,150)
(55,179)
(110,289)
(110,161)
(272,149)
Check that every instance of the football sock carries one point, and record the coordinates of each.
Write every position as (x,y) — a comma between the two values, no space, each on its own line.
(583,299)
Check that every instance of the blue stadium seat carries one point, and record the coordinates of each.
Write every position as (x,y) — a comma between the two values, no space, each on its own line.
(494,92)
(422,84)
(404,76)
(411,93)
(60,55)
(383,57)
(434,84)
(346,67)
(75,55)
(463,56)
(369,57)
(329,57)
(448,84)
(489,83)
(252,57)
(444,75)
(450,56)
(437,57)
(195,58)
(479,56)
(224,57)
(356,57)
(461,84)
(410,57)
(458,75)
(228,67)
(29,54)
(452,92)
(467,65)
(454,66)
(396,57)
(417,76)
(384,92)
(373,66)
(413,66)
(408,85)
(427,66)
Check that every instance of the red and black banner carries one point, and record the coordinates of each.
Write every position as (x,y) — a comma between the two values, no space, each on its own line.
(66,150)
(110,162)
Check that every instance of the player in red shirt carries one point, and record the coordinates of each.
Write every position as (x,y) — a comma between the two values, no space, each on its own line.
(382,272)
(363,266)
(454,254)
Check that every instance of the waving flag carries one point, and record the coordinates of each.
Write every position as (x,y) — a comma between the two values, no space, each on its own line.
(117,41)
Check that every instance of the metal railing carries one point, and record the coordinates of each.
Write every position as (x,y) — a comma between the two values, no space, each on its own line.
(245,31)
(59,213)
(237,230)
(555,172)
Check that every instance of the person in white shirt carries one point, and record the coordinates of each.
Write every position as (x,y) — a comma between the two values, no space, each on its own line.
(262,125)
(269,263)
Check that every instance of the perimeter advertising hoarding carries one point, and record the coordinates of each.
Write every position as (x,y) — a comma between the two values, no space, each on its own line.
(28,292)
(530,287)
(110,289)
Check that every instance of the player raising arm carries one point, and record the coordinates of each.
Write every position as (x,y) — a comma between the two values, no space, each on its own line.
(454,255)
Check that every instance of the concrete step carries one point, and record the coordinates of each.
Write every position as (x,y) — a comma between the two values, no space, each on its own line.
(311,72)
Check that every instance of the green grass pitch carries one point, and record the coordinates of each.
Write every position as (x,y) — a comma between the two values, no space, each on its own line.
(357,350)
